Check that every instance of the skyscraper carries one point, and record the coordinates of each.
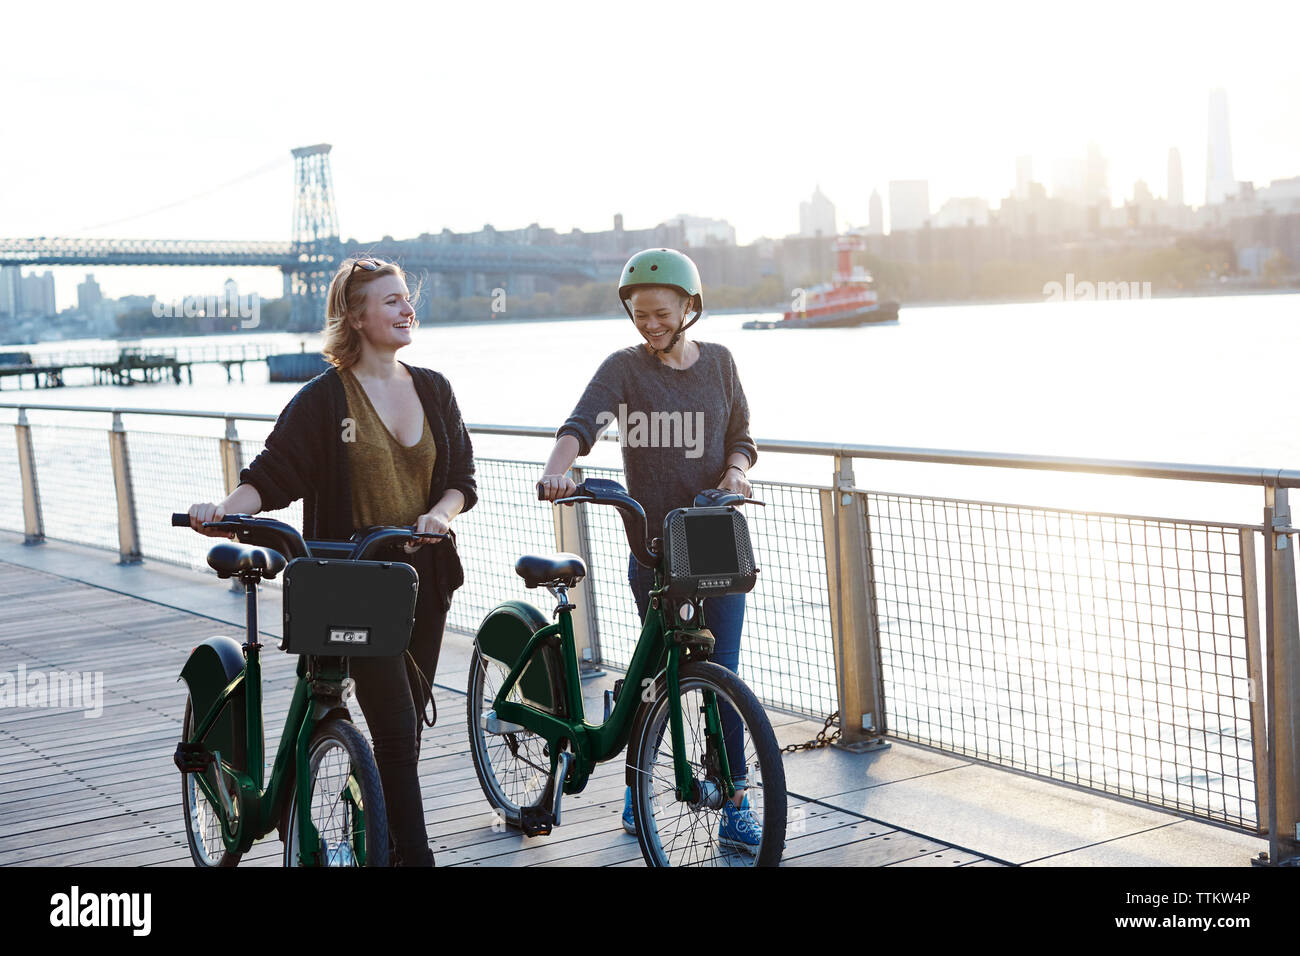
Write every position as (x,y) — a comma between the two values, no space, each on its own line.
(875,215)
(1219,183)
(88,296)
(1174,181)
(817,216)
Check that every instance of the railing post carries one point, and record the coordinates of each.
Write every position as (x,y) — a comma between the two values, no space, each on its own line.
(33,522)
(128,536)
(853,625)
(571,536)
(232,457)
(1283,676)
(1255,676)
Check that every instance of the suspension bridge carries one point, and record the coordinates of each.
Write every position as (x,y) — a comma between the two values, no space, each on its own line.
(310,258)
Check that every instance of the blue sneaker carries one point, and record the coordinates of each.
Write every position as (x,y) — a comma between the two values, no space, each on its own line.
(629,821)
(739,827)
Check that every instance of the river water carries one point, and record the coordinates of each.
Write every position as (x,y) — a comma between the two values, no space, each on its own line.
(1193,380)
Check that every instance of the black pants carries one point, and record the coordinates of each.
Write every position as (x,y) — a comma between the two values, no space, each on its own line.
(394,696)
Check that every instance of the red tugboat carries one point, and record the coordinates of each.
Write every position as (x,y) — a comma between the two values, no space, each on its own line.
(847,300)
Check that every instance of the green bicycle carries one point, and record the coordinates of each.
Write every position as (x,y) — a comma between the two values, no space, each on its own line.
(325,795)
(696,735)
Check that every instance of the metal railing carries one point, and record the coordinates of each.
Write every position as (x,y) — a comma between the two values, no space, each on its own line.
(1125,654)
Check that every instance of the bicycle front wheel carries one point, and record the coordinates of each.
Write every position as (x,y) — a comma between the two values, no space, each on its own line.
(347,800)
(202,819)
(672,832)
(512,768)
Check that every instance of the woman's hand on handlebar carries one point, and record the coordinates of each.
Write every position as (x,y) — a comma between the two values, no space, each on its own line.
(735,480)
(431,523)
(207,511)
(551,487)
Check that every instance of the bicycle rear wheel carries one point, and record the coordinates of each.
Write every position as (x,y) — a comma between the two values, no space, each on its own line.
(680,833)
(347,800)
(202,821)
(512,768)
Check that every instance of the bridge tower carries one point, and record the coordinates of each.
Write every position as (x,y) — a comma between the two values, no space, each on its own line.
(316,246)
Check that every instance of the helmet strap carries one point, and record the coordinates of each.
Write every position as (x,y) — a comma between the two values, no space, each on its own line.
(672,343)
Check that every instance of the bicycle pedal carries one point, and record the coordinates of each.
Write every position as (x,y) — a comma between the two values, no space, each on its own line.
(191,758)
(536,821)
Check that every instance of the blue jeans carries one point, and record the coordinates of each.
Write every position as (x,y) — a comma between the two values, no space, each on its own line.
(725,617)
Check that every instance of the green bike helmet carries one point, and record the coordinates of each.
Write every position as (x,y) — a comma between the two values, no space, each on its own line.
(663,267)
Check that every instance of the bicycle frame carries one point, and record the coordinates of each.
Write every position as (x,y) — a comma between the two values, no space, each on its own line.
(661,648)
(317,696)
(258,810)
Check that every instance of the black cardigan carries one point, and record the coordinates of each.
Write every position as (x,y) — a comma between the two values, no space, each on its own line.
(306,457)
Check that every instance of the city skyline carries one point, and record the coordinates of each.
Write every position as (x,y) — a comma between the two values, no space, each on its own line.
(116,126)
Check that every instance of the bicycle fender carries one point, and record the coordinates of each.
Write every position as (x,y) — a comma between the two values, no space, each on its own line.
(207,672)
(503,636)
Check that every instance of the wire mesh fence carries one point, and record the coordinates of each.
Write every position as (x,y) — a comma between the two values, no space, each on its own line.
(1107,651)
(787,656)
(169,472)
(75,475)
(11,502)
(506,522)
(1100,650)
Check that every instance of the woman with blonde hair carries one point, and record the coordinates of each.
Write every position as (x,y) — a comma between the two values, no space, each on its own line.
(374,441)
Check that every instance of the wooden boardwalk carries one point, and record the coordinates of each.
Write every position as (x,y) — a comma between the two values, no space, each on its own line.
(102,790)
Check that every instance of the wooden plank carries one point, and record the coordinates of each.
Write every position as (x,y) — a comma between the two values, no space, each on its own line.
(100,791)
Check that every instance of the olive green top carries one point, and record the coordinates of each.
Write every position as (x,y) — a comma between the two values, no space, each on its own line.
(390,481)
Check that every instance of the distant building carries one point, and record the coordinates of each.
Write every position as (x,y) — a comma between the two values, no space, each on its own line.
(38,294)
(1219,182)
(11,291)
(1068,179)
(909,204)
(1280,196)
(1174,178)
(700,231)
(875,215)
(1144,209)
(88,296)
(1024,176)
(970,211)
(817,216)
(1035,216)
(1096,177)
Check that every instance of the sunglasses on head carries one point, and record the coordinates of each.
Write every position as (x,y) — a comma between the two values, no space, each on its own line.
(370,265)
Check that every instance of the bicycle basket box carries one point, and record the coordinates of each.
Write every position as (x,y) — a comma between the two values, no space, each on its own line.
(346,608)
(707,553)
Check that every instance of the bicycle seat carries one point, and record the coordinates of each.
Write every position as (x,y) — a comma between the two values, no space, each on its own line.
(562,568)
(230,558)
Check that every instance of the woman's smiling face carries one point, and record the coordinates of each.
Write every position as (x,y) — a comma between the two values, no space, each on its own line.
(388,318)
(658,312)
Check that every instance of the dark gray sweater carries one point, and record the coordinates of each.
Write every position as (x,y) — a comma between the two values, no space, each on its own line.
(677,427)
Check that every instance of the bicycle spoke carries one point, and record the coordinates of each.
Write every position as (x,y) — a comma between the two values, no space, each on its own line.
(687,835)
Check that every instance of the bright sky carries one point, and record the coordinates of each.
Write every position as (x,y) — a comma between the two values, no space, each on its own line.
(566,113)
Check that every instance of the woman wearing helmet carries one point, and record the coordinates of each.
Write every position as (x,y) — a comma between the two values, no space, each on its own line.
(669,378)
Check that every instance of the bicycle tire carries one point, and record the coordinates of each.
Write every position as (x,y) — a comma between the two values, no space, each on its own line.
(336,821)
(202,822)
(676,833)
(512,768)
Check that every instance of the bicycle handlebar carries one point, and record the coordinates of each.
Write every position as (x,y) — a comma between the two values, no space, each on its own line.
(286,539)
